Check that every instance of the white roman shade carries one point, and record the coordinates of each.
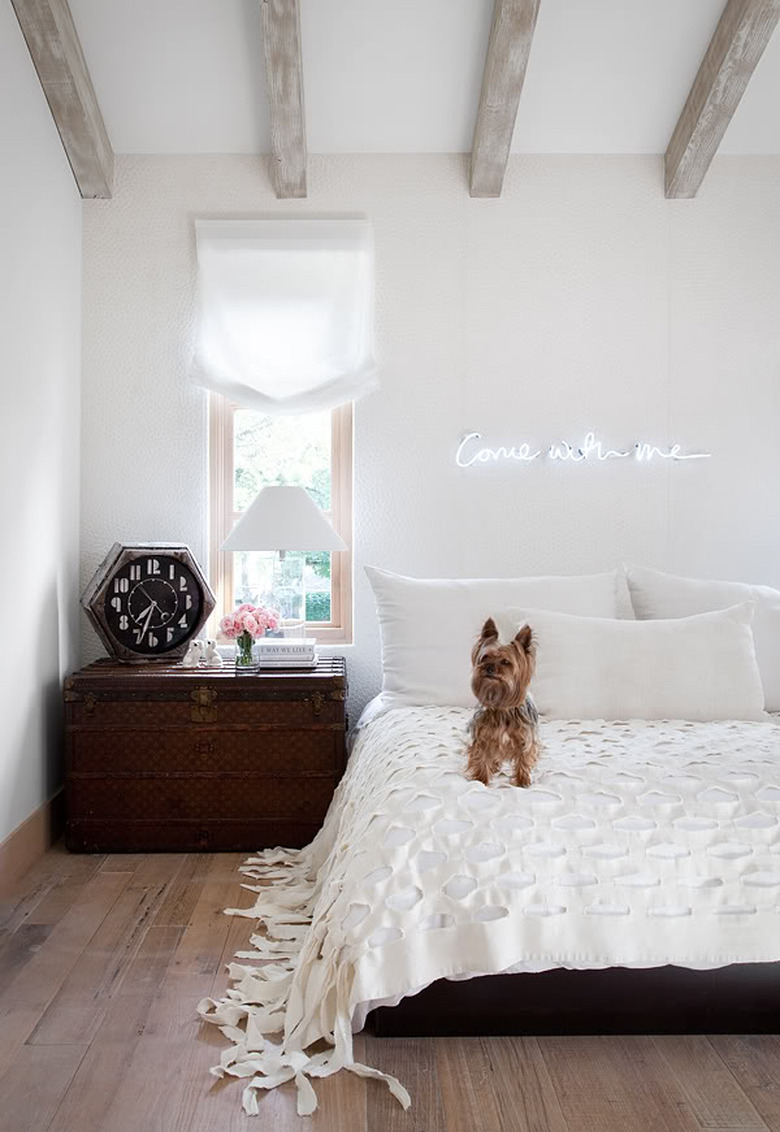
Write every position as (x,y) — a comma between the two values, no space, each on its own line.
(285,312)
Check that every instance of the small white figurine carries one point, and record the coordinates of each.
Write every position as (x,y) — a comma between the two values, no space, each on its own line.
(194,655)
(212,659)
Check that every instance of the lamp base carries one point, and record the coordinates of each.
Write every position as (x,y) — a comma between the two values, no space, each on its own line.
(289,592)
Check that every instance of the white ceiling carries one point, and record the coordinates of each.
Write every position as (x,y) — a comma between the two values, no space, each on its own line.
(605,76)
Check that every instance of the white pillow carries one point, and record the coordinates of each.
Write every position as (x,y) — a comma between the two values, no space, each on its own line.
(701,667)
(429,625)
(654,595)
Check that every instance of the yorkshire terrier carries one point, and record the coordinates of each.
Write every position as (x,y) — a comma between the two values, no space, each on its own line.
(505,725)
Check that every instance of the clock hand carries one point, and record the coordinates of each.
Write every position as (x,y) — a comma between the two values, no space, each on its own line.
(148,619)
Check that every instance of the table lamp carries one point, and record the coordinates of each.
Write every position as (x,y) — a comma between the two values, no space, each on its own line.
(282,519)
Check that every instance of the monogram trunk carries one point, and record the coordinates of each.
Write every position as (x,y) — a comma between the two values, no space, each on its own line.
(167,758)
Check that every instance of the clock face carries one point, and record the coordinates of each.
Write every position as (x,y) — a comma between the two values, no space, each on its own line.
(153,604)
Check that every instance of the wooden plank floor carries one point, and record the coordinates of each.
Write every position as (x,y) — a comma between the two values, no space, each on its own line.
(103,959)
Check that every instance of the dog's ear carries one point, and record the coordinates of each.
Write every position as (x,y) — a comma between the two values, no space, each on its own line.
(487,636)
(524,638)
(489,632)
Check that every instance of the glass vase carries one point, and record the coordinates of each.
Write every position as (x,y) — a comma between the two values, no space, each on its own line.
(244,651)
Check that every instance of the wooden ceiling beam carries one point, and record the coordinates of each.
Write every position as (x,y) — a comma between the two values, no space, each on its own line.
(284,83)
(509,48)
(48,28)
(743,32)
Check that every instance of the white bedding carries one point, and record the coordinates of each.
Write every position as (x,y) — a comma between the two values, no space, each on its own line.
(638,844)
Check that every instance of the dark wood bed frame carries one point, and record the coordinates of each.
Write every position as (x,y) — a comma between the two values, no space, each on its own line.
(740,999)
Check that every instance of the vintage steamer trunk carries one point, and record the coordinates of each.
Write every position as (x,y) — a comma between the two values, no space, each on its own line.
(168,758)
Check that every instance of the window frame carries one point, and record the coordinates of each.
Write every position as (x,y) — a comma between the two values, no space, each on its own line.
(337,631)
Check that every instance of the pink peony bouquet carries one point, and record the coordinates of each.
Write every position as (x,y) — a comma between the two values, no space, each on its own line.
(246,625)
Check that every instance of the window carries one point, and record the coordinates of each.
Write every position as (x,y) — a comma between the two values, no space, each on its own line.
(248,450)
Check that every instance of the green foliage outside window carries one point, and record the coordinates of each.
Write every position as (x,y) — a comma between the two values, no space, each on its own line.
(318,607)
(281,450)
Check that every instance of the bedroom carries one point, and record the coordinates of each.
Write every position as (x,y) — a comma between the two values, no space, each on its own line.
(525,343)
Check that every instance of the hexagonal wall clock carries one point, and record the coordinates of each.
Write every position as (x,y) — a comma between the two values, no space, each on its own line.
(148,601)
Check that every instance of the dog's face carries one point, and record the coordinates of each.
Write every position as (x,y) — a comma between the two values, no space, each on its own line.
(502,673)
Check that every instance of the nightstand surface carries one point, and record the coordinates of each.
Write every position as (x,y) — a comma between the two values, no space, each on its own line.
(160,757)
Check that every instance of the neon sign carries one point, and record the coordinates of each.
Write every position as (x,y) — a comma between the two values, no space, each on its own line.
(591,450)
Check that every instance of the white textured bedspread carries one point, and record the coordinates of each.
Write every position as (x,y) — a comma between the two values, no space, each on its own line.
(638,844)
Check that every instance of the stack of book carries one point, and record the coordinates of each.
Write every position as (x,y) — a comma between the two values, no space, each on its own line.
(286,652)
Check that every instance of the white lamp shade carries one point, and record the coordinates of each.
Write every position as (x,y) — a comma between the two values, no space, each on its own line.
(283,518)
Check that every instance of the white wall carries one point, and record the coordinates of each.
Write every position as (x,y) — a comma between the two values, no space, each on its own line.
(579,299)
(40,347)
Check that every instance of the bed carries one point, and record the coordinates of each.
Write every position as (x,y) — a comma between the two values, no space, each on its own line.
(639,845)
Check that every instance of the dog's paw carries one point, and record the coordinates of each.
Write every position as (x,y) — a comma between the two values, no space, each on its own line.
(522,780)
(475,775)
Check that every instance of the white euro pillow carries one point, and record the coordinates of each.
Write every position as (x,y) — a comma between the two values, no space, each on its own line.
(655,595)
(429,625)
(698,668)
